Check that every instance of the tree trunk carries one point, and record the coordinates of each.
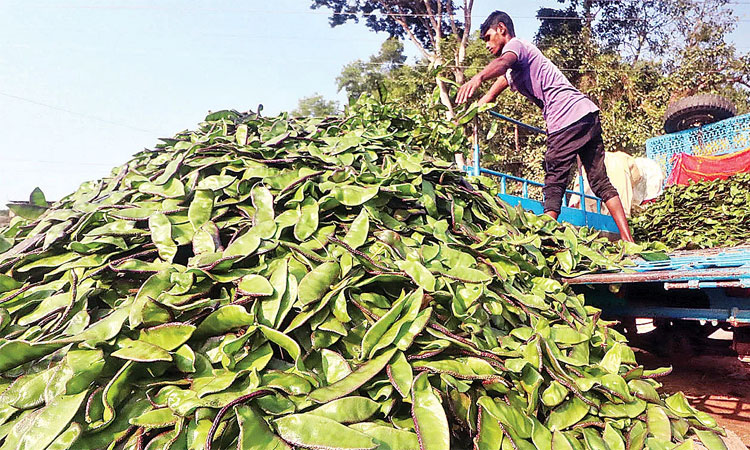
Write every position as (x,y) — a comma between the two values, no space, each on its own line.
(445,97)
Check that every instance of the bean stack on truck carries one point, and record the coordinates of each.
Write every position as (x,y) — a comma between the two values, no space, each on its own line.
(689,294)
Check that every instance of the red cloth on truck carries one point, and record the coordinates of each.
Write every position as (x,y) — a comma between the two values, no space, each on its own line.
(690,168)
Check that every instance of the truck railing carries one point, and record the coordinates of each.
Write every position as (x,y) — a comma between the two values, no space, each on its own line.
(525,183)
(579,216)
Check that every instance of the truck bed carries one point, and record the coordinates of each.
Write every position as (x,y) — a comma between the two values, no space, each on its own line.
(710,285)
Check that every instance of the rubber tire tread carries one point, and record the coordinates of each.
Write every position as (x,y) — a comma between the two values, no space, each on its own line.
(679,113)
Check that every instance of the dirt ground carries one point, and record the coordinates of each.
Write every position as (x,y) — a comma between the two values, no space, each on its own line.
(716,383)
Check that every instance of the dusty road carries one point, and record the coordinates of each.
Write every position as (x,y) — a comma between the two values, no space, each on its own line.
(719,385)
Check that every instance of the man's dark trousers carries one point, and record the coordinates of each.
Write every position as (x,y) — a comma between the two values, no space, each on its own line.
(582,138)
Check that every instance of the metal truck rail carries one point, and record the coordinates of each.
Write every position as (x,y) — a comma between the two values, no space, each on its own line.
(580,216)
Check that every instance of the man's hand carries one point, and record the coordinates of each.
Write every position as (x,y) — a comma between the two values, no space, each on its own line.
(468,89)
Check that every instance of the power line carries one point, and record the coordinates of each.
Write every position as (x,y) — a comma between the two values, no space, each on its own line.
(454,66)
(337,13)
(75,113)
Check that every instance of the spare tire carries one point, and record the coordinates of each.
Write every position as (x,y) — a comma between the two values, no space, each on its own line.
(696,111)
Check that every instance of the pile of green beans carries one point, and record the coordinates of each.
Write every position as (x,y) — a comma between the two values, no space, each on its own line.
(705,214)
(269,283)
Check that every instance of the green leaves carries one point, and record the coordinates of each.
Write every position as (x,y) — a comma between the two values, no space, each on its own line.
(215,182)
(142,352)
(263,221)
(612,359)
(658,423)
(307,224)
(168,336)
(317,282)
(224,319)
(348,409)
(255,285)
(157,418)
(354,380)
(388,438)
(161,235)
(174,188)
(244,245)
(255,433)
(201,208)
(376,332)
(16,352)
(350,195)
(357,234)
(51,420)
(490,435)
(710,440)
(418,273)
(32,210)
(567,414)
(37,198)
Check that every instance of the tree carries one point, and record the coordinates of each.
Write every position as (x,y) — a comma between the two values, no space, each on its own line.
(638,27)
(632,28)
(316,105)
(360,76)
(386,76)
(560,37)
(431,25)
(704,60)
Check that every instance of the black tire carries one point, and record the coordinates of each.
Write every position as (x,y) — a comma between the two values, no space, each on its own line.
(696,111)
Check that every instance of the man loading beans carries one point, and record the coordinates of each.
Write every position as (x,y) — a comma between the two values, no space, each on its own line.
(573,126)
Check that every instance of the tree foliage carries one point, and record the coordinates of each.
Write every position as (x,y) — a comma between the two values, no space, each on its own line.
(315,106)
(631,58)
(637,27)
(706,61)
(375,75)
(632,28)
(406,19)
(440,29)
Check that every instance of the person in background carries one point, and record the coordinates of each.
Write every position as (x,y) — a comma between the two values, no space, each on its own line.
(573,126)
(625,176)
(652,180)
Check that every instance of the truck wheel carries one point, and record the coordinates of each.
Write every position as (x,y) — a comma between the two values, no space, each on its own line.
(696,111)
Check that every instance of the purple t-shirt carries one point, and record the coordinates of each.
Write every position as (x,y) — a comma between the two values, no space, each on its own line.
(535,77)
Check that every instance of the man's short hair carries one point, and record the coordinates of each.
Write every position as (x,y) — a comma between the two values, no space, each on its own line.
(496,18)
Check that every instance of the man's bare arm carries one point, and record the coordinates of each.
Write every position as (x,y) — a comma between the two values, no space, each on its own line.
(494,69)
(497,87)
(498,66)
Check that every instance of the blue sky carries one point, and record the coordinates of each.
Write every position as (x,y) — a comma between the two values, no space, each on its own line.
(84,84)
